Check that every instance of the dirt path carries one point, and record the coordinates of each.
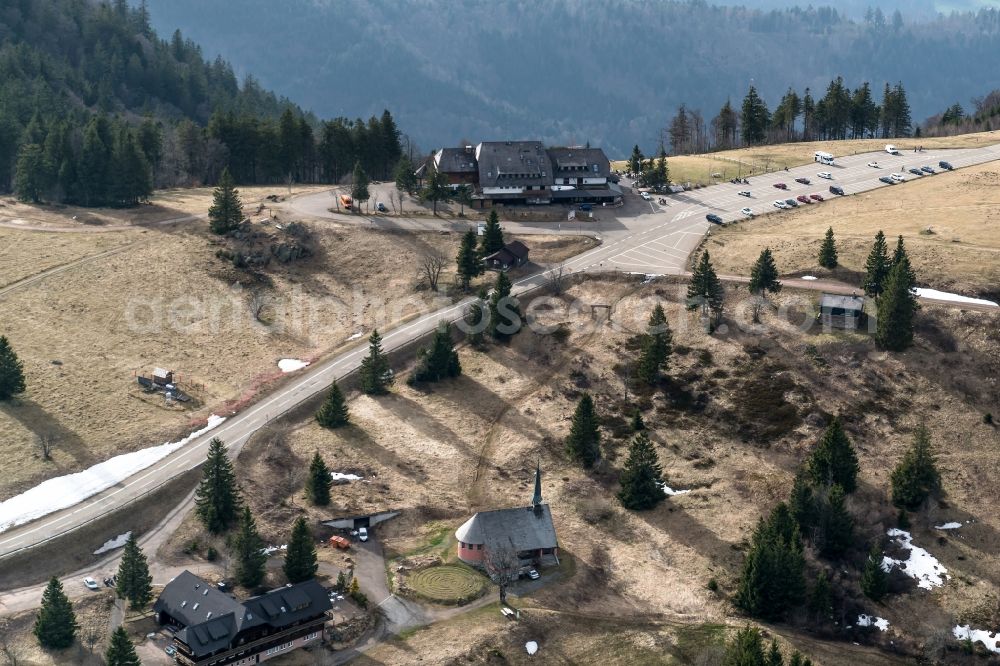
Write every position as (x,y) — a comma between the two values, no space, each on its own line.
(62,268)
(97,228)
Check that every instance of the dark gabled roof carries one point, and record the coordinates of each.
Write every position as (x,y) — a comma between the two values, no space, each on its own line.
(522,527)
(512,163)
(830,301)
(189,600)
(509,252)
(287,605)
(576,161)
(455,160)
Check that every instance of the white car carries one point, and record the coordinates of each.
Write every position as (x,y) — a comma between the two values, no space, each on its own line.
(91,583)
(363,534)
(825,174)
(873,165)
(898,177)
(744,193)
(534,575)
(747,212)
(780,204)
(646,196)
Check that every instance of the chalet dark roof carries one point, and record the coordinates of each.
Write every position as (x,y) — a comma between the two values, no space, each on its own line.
(524,528)
(190,600)
(455,160)
(842,302)
(515,250)
(578,161)
(513,163)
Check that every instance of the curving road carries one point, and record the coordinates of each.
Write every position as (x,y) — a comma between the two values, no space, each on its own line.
(640,237)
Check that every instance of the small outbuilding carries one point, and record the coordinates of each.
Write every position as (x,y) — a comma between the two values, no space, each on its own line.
(510,256)
(840,311)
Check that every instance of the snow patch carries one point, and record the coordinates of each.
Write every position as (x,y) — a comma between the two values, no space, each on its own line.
(356,335)
(955,298)
(667,490)
(948,526)
(64,491)
(274,549)
(341,476)
(990,640)
(872,621)
(921,566)
(809,277)
(649,277)
(291,364)
(112,544)
(531,647)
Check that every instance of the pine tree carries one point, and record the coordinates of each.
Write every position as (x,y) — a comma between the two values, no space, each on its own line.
(318,482)
(874,580)
(828,251)
(706,292)
(249,558)
(31,173)
(876,267)
(774,655)
(746,649)
(11,371)
(641,477)
(55,626)
(467,262)
(359,185)
(584,441)
(896,310)
(834,460)
(440,361)
(333,413)
(821,597)
(134,582)
(755,118)
(475,321)
(226,212)
(899,256)
(916,477)
(376,375)
(772,579)
(637,424)
(635,160)
(838,525)
(656,347)
(764,275)
(121,651)
(217,499)
(492,239)
(802,502)
(405,176)
(505,313)
(300,558)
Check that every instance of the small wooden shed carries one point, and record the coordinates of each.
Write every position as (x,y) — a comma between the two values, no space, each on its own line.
(840,311)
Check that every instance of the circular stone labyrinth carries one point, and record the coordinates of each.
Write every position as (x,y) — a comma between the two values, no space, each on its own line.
(447,583)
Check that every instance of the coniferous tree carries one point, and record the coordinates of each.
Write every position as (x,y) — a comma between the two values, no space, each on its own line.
(876,267)
(376,375)
(584,441)
(755,118)
(896,310)
(468,262)
(11,371)
(31,173)
(435,189)
(55,626)
(638,425)
(121,651)
(300,557)
(359,185)
(746,649)
(772,579)
(641,477)
(505,313)
(217,499)
(834,460)
(828,251)
(226,212)
(874,580)
(440,361)
(916,477)
(476,319)
(899,256)
(134,582)
(249,558)
(774,657)
(635,160)
(333,413)
(764,274)
(492,239)
(656,347)
(802,503)
(706,292)
(405,175)
(838,525)
(318,482)
(821,597)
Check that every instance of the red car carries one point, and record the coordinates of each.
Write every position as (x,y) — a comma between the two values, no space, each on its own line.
(781,186)
(815,197)
(803,198)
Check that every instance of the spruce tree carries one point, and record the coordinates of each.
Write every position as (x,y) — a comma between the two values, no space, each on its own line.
(440,361)
(333,413)
(656,347)
(11,371)
(900,256)
(217,499)
(505,313)
(828,251)
(764,275)
(876,267)
(134,582)
(834,461)
(637,424)
(896,310)
(802,502)
(318,482)
(584,441)
(774,657)
(468,262)
(376,375)
(249,558)
(226,212)
(874,580)
(359,185)
(821,597)
(641,477)
(916,477)
(772,581)
(746,649)
(30,173)
(475,320)
(121,651)
(492,235)
(838,525)
(706,292)
(405,175)
(300,557)
(55,626)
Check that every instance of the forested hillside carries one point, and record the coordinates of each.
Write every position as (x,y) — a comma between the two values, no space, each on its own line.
(96,109)
(609,72)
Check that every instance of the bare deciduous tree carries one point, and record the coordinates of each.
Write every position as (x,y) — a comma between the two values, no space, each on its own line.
(47,444)
(10,651)
(501,564)
(431,266)
(557,279)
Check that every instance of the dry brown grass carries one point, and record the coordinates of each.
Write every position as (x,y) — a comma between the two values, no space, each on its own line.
(960,208)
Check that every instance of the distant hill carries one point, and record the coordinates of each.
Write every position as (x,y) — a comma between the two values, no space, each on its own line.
(610,72)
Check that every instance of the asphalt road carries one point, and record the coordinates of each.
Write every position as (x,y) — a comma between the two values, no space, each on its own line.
(640,237)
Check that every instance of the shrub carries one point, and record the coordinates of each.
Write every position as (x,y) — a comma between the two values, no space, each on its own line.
(212,554)
(988,418)
(713,585)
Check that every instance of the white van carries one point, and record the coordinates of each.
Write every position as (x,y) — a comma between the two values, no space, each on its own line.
(822,157)
(891,149)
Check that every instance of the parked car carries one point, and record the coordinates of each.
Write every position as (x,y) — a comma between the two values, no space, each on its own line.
(747,212)
(646,196)
(887,180)
(825,174)
(804,181)
(898,177)
(110,581)
(363,534)
(586,207)
(744,193)
(803,199)
(816,197)
(873,165)
(713,218)
(837,189)
(170,650)
(792,203)
(781,186)
(927,169)
(91,583)
(780,204)
(380,207)
(945,165)
(534,575)
(916,172)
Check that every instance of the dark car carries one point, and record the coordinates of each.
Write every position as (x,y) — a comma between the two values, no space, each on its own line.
(816,197)
(713,218)
(586,207)
(927,169)
(837,189)
(804,181)
(781,186)
(804,199)
(946,166)
(792,202)
(887,180)
(916,172)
